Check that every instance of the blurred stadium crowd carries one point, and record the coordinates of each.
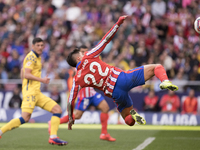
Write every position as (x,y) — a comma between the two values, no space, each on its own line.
(158,31)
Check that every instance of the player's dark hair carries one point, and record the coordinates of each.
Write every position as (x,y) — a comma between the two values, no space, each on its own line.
(82,46)
(37,40)
(70,58)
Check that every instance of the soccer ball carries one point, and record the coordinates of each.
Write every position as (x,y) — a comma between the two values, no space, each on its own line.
(197,25)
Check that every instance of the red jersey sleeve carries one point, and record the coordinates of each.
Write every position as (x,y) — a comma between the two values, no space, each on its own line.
(96,51)
(73,94)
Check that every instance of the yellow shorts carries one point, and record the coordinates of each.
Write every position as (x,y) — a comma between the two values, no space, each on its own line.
(38,99)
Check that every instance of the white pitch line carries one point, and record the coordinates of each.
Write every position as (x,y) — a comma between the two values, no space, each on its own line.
(145,143)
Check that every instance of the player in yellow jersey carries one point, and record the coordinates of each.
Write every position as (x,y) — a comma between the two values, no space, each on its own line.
(32,96)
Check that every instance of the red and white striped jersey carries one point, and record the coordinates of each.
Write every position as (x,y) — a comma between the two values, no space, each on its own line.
(86,92)
(93,72)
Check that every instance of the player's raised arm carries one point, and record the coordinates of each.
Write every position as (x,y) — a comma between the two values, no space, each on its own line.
(70,105)
(96,51)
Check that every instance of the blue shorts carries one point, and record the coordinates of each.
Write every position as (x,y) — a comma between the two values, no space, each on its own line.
(125,82)
(83,104)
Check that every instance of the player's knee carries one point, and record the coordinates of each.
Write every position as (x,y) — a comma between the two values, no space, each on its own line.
(56,109)
(153,66)
(78,116)
(156,65)
(103,106)
(129,120)
(150,70)
(26,118)
(105,109)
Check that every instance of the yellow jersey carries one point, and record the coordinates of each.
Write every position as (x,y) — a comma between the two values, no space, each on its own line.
(33,62)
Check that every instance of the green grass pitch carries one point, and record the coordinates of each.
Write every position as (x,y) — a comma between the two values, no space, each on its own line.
(86,137)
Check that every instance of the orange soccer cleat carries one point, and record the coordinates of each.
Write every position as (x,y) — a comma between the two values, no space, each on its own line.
(107,137)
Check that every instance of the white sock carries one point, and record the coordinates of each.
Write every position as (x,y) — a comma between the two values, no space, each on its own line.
(165,80)
(1,132)
(53,136)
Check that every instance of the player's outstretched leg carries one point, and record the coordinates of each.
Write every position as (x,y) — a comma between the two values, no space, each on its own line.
(55,121)
(159,71)
(15,123)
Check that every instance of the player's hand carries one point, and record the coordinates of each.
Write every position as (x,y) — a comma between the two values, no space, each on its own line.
(71,122)
(122,18)
(46,80)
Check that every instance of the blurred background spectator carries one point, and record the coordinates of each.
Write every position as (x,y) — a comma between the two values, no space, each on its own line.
(190,104)
(170,102)
(16,100)
(3,74)
(150,101)
(158,8)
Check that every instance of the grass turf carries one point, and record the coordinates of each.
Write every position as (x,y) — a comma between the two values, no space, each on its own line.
(86,137)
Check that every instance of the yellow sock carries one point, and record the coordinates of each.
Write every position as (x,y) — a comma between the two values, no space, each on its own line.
(14,123)
(55,121)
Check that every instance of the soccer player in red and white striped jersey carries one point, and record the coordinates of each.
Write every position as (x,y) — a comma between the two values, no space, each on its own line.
(86,97)
(114,82)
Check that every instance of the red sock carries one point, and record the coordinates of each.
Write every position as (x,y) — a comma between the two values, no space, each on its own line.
(160,73)
(104,122)
(65,119)
(129,120)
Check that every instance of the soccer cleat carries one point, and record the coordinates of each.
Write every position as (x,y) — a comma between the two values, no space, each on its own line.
(49,128)
(168,85)
(107,137)
(57,141)
(140,120)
